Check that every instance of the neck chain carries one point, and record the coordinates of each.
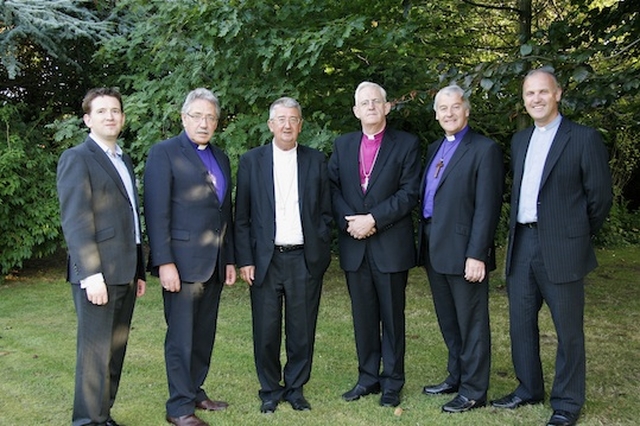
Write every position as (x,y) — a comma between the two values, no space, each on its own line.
(363,167)
(282,198)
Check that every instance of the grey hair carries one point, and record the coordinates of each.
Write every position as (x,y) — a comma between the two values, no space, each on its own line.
(366,84)
(204,94)
(453,89)
(544,70)
(286,102)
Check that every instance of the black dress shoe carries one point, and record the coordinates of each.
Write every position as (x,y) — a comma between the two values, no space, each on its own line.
(440,389)
(269,406)
(210,405)
(461,403)
(300,404)
(112,422)
(390,399)
(187,420)
(513,401)
(563,418)
(359,390)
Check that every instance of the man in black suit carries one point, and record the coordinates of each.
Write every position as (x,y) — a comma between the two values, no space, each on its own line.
(461,201)
(283,235)
(560,198)
(187,201)
(101,225)
(375,176)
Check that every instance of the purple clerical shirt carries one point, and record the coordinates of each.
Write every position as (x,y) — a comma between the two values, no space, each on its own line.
(369,148)
(434,174)
(215,173)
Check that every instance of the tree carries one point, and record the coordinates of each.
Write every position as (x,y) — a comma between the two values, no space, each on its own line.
(45,68)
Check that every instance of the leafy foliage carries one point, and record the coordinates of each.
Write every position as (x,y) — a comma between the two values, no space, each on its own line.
(28,201)
(251,52)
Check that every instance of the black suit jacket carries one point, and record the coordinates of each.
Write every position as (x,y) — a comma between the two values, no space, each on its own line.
(186,223)
(97,216)
(391,196)
(255,210)
(467,205)
(574,199)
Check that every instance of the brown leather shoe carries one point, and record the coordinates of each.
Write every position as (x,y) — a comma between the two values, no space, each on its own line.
(210,405)
(188,420)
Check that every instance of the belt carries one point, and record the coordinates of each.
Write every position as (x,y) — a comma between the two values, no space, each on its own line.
(288,248)
(530,225)
(426,220)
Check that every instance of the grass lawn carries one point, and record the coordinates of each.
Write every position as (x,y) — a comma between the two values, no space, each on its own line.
(37,356)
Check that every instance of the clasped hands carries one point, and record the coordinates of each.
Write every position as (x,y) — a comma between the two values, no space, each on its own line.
(361,226)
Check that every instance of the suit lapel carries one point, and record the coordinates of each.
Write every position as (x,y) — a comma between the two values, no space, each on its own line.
(519,150)
(303,171)
(386,147)
(353,157)
(129,164)
(190,153)
(557,146)
(217,155)
(103,160)
(431,153)
(459,153)
(265,172)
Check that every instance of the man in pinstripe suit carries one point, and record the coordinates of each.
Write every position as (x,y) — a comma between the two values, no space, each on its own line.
(560,198)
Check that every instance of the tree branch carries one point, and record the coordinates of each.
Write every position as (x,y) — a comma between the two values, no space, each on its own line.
(489,6)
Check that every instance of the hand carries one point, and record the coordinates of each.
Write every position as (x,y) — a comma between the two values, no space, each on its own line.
(361,226)
(97,292)
(230,277)
(474,270)
(142,288)
(169,277)
(248,274)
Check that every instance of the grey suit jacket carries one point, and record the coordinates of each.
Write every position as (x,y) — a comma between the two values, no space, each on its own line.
(574,199)
(391,196)
(466,206)
(186,223)
(255,210)
(97,216)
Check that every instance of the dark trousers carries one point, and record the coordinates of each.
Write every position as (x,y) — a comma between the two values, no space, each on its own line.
(287,283)
(103,332)
(528,285)
(462,309)
(191,315)
(377,306)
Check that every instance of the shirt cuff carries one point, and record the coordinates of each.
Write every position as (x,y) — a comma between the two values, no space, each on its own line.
(92,279)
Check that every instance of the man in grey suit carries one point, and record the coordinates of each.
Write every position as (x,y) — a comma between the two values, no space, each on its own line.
(187,201)
(461,201)
(100,221)
(283,235)
(560,198)
(375,177)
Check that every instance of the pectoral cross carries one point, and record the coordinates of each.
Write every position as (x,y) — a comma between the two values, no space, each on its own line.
(439,165)
(365,185)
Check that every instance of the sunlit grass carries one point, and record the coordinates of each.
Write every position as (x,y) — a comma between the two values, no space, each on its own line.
(37,356)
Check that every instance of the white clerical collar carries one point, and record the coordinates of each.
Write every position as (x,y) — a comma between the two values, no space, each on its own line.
(450,138)
(281,151)
(553,125)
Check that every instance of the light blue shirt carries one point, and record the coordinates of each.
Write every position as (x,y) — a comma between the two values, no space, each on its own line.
(534,162)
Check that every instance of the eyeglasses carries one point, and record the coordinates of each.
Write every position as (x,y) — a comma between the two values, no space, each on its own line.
(367,102)
(199,117)
(294,121)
